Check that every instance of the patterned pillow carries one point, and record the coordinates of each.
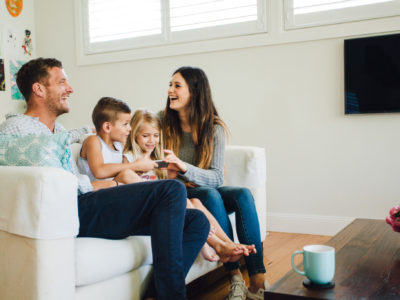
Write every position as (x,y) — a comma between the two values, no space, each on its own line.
(50,150)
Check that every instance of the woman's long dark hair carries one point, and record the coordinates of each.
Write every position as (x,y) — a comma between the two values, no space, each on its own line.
(203,117)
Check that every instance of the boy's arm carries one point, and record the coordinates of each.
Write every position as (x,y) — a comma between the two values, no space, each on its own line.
(103,184)
(143,164)
(91,150)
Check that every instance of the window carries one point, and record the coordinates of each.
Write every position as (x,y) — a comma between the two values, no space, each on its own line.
(128,24)
(306,13)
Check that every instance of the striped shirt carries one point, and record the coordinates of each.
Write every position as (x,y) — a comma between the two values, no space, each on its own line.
(20,124)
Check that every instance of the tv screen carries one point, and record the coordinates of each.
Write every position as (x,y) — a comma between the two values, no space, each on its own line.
(372,74)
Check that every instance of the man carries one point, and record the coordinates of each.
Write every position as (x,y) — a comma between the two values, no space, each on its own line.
(110,211)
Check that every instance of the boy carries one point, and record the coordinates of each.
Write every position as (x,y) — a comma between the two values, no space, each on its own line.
(101,155)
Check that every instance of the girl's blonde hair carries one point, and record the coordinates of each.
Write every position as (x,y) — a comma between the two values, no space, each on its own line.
(139,118)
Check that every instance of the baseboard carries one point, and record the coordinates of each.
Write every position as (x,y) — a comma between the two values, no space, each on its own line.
(308,224)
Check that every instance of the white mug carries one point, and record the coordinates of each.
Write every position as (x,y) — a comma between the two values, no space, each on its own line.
(319,263)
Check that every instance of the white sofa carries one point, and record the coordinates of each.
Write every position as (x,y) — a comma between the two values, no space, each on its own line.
(41,258)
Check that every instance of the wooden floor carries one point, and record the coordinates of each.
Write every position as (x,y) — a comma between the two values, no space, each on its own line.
(278,248)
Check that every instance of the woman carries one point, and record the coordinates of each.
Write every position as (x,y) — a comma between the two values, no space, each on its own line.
(193,130)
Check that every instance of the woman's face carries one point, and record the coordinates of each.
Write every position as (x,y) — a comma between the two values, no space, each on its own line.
(178,93)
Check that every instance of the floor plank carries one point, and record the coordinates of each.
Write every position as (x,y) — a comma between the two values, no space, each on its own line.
(278,248)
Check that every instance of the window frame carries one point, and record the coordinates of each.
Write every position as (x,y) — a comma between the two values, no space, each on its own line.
(168,38)
(343,15)
(276,35)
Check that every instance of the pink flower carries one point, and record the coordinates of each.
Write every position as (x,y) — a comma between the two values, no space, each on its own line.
(394,210)
(394,218)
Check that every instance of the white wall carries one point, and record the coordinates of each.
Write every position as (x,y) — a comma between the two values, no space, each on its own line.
(17,26)
(324,168)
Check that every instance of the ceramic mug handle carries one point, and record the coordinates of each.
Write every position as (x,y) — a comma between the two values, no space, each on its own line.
(293,266)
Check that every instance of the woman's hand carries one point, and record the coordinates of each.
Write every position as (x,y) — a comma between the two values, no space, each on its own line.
(171,158)
(173,171)
(144,164)
(190,184)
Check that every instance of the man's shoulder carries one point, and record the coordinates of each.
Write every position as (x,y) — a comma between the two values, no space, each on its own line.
(21,124)
(13,123)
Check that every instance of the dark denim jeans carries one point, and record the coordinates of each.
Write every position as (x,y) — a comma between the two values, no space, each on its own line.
(224,200)
(157,207)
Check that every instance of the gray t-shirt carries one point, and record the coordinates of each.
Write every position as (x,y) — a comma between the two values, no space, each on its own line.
(214,175)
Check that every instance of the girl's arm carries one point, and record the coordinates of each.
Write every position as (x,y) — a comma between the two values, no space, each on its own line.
(212,177)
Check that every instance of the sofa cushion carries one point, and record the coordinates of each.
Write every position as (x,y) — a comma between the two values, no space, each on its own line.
(129,286)
(49,150)
(101,259)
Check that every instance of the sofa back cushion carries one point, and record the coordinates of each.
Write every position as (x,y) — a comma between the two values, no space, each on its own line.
(39,150)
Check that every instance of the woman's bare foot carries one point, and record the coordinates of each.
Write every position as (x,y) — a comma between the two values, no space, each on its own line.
(229,252)
(208,253)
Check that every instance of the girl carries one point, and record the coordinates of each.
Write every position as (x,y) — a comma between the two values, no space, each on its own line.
(195,133)
(144,141)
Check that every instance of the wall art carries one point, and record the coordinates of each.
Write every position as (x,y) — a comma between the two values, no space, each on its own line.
(15,65)
(2,76)
(27,45)
(14,7)
(10,45)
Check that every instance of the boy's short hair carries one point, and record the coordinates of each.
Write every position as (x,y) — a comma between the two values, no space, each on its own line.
(107,110)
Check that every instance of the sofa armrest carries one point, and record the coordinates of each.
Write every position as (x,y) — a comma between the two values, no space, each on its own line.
(245,166)
(38,202)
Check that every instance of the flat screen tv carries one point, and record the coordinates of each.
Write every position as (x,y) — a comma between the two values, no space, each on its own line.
(372,74)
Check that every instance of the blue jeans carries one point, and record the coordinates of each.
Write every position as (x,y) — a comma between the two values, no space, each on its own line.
(224,200)
(156,207)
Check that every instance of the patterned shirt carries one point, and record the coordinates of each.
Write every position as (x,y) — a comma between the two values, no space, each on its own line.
(20,124)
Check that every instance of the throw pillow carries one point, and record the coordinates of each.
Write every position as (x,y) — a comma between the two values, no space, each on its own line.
(50,150)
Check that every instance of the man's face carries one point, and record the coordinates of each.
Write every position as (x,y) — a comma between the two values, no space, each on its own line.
(57,91)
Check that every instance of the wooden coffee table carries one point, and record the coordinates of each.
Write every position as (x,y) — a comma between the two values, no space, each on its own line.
(367,266)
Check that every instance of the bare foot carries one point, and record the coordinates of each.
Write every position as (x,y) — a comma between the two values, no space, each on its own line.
(212,231)
(229,252)
(208,253)
(248,249)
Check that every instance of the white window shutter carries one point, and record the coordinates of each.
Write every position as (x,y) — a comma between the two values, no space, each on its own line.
(123,19)
(194,14)
(307,13)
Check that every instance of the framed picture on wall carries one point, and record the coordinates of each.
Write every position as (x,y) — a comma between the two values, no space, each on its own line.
(2,76)
(15,65)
